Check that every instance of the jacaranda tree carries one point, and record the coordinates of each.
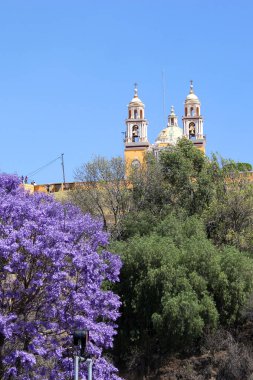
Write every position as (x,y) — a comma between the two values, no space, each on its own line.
(53,269)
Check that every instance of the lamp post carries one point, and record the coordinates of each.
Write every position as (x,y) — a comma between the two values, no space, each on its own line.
(89,363)
(76,368)
(80,340)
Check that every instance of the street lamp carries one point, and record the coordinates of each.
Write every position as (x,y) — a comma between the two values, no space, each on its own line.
(80,340)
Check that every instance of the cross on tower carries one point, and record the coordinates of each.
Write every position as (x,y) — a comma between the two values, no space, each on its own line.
(135,90)
(191,86)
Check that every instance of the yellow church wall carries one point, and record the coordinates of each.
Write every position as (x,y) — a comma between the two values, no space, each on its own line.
(200,145)
(131,155)
(202,148)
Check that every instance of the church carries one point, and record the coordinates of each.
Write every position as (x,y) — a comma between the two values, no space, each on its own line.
(136,143)
(136,135)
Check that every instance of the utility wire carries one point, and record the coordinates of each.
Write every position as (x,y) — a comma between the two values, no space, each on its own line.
(42,167)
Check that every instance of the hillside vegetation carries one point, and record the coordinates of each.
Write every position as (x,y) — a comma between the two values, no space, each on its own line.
(183,229)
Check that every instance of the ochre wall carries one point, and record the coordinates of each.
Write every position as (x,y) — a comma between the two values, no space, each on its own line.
(131,155)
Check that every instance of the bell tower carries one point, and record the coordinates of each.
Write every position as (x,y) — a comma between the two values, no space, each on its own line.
(193,121)
(136,136)
(172,118)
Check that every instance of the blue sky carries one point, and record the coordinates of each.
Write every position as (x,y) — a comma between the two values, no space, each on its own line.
(67,70)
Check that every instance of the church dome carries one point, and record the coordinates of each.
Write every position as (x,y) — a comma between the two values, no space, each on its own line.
(170,135)
(136,102)
(191,97)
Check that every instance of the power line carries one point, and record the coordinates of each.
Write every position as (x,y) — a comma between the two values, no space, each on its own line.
(42,167)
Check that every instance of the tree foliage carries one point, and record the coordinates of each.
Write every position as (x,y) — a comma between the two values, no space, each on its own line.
(54,263)
(185,239)
(240,166)
(103,190)
(229,218)
(175,284)
(149,190)
(189,175)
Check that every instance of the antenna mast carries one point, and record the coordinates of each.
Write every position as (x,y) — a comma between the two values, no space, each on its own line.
(163,87)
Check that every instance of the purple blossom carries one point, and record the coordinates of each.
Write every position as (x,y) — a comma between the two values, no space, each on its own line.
(53,265)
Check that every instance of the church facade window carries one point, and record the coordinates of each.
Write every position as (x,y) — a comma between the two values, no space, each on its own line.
(135,164)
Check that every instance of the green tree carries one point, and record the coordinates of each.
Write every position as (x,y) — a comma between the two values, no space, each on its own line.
(140,222)
(240,166)
(149,190)
(229,218)
(190,176)
(175,284)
